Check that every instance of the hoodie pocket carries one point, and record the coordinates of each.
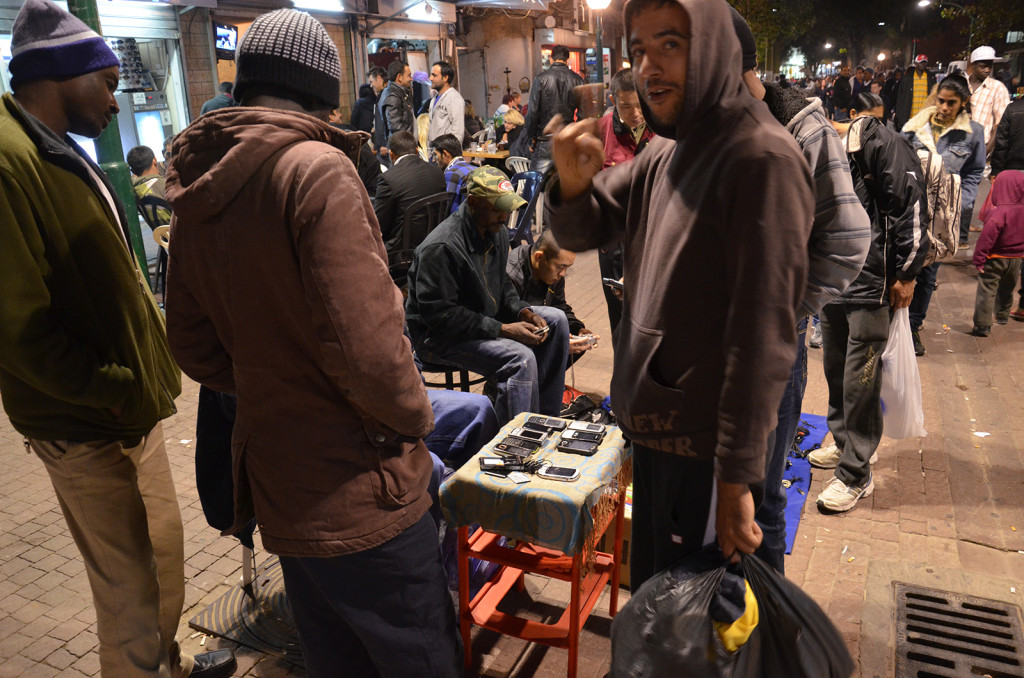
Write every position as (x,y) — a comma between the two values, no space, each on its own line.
(649,402)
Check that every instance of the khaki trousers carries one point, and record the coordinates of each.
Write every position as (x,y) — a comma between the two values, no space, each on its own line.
(122,511)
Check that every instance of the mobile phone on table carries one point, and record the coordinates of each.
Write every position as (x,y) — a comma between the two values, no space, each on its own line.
(586,426)
(559,473)
(516,447)
(545,423)
(491,463)
(586,436)
(583,447)
(530,434)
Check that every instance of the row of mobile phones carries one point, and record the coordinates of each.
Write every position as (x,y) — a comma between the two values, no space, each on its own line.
(577,437)
(516,470)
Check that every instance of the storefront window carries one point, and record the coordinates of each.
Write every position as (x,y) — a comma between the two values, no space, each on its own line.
(574,62)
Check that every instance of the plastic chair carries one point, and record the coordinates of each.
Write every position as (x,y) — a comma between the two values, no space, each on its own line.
(434,209)
(517,164)
(528,186)
(150,207)
(162,235)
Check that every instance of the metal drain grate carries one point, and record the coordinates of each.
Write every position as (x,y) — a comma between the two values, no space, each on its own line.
(940,634)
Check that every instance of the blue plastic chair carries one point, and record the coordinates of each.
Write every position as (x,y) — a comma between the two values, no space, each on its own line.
(528,186)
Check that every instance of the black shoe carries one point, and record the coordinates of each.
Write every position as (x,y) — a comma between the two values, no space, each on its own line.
(1002,321)
(215,664)
(980,331)
(918,346)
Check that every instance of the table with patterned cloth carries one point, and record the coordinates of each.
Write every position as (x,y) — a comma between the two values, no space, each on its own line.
(553,527)
(551,513)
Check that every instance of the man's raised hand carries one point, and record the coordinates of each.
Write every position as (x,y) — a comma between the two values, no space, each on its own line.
(578,153)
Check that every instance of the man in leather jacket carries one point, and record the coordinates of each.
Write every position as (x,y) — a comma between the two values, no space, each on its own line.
(395,106)
(551,93)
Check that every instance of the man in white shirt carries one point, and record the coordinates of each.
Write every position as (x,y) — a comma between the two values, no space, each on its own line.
(447,109)
(989,97)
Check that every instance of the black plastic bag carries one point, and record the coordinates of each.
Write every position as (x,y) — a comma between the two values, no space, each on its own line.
(797,637)
(667,628)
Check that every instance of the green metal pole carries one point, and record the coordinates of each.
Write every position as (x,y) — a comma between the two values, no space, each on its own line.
(110,153)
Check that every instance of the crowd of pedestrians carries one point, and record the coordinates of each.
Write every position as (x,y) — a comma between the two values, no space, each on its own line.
(798,200)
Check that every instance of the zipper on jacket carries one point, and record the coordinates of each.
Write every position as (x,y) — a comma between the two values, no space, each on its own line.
(487,288)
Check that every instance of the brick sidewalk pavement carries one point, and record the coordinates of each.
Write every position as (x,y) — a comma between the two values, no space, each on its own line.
(943,514)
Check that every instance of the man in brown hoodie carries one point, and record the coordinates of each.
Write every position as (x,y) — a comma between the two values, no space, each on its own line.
(714,218)
(279,291)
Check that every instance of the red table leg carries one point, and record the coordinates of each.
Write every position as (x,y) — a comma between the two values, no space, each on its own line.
(464,619)
(620,523)
(574,616)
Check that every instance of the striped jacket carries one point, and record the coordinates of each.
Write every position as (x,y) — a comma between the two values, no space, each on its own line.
(841,232)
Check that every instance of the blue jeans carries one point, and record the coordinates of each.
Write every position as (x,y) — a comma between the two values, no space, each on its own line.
(771,514)
(463,423)
(923,295)
(966,214)
(528,378)
(385,611)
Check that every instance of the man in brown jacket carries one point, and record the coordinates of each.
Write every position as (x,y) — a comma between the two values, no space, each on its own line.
(279,292)
(714,218)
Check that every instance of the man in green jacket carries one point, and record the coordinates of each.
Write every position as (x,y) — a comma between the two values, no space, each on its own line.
(85,372)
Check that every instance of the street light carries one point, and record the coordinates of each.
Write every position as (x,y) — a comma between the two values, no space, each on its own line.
(881,56)
(956,5)
(597,6)
(828,45)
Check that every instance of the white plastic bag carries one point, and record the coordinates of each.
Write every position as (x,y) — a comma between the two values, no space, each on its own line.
(902,412)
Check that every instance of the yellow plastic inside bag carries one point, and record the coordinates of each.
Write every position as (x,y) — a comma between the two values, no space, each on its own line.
(736,634)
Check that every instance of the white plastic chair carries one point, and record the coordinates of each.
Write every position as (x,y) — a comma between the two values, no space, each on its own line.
(516,164)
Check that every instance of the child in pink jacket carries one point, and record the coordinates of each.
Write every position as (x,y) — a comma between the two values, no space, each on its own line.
(997,256)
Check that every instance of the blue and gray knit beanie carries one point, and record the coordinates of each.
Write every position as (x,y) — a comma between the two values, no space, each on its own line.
(49,43)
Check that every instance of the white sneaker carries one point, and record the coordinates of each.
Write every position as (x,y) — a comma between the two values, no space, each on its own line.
(828,457)
(825,457)
(815,340)
(838,496)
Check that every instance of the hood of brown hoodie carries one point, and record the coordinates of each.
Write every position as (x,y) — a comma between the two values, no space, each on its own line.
(217,155)
(713,75)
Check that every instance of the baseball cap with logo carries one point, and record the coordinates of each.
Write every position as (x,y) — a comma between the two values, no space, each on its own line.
(491,183)
(984,53)
(921,58)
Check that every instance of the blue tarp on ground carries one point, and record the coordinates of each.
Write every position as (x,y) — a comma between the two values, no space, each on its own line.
(799,474)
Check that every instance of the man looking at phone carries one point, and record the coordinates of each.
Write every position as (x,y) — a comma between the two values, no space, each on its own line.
(723,194)
(464,311)
(538,273)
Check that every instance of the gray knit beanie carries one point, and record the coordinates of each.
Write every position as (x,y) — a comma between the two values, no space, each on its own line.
(49,43)
(289,52)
